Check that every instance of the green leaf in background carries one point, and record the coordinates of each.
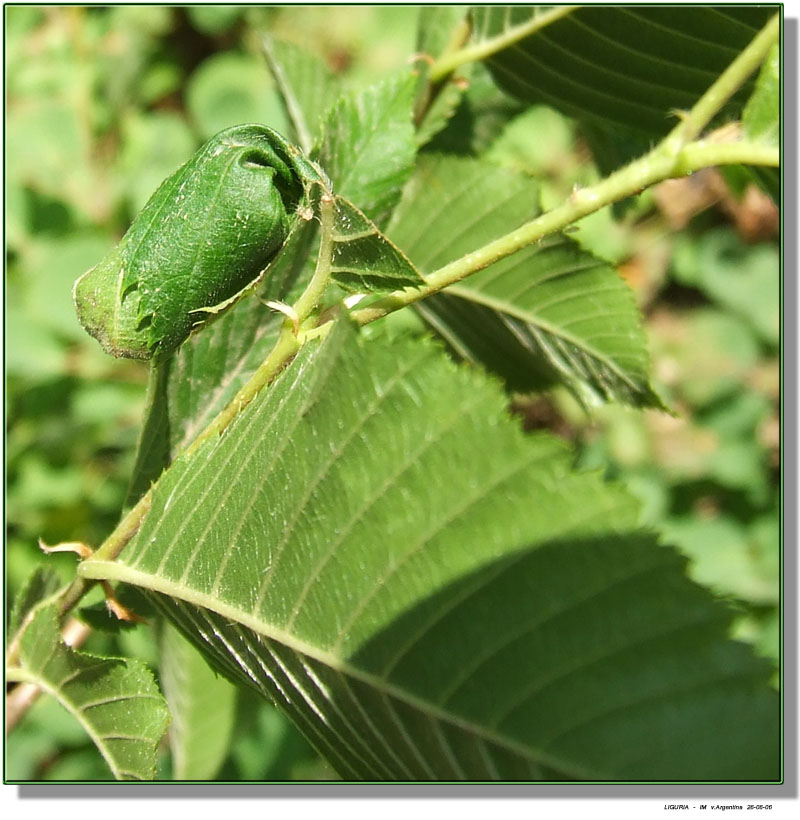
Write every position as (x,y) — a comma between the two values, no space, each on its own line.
(57,262)
(49,166)
(743,278)
(154,145)
(710,354)
(306,86)
(266,745)
(549,312)
(212,19)
(575,63)
(115,700)
(724,558)
(538,142)
(482,114)
(368,145)
(438,596)
(230,88)
(203,708)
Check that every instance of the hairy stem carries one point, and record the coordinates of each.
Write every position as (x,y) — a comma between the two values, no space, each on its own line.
(311,296)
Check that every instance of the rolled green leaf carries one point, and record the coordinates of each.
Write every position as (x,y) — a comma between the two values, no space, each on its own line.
(205,236)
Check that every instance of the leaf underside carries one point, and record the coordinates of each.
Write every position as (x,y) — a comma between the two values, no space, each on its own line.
(430,595)
(115,700)
(574,64)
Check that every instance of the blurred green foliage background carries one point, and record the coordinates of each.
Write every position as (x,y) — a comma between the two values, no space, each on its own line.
(103,103)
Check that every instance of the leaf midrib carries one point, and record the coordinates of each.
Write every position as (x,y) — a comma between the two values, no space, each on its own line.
(113,571)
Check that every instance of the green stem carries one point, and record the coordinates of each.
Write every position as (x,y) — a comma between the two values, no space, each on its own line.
(705,153)
(673,157)
(658,165)
(311,296)
(447,63)
(728,83)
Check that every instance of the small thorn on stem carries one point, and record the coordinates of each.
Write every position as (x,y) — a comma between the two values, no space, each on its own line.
(286,310)
(678,113)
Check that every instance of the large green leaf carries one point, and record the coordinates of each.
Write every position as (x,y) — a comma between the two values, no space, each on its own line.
(429,594)
(627,66)
(115,700)
(550,312)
